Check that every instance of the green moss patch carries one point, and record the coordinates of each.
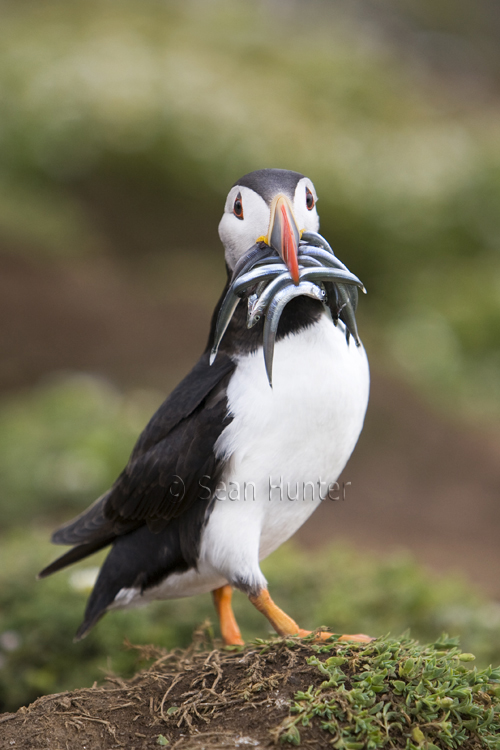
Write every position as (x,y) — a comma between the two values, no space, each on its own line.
(397,693)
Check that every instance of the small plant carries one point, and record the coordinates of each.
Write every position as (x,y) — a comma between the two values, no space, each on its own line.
(397,693)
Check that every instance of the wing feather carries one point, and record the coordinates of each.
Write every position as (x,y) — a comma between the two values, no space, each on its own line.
(170,460)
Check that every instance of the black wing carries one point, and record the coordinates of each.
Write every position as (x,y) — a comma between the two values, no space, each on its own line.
(171,467)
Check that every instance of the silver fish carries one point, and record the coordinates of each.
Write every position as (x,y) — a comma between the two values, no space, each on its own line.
(268,259)
(256,253)
(252,302)
(309,251)
(226,312)
(260,305)
(233,295)
(263,269)
(331,274)
(273,315)
(265,298)
(250,278)
(347,310)
(313,238)
(307,260)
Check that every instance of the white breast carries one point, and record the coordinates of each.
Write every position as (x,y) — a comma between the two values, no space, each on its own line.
(281,444)
(285,445)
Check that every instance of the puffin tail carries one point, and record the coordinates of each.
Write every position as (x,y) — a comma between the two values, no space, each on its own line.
(87,533)
(93,613)
(74,555)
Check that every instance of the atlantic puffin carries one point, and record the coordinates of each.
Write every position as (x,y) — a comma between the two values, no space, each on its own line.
(246,446)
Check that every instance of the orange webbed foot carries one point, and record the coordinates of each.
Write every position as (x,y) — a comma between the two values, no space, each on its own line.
(285,626)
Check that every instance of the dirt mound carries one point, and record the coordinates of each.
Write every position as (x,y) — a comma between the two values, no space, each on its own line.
(390,693)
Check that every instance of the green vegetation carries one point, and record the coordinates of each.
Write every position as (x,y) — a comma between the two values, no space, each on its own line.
(394,691)
(63,444)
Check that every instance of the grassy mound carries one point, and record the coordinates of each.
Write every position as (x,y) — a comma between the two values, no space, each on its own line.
(391,693)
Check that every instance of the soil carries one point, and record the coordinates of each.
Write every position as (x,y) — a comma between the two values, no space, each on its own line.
(214,699)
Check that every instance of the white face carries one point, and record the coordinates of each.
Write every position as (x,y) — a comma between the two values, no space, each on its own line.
(238,234)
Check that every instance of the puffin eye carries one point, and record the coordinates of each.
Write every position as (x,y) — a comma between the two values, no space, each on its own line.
(309,199)
(238,207)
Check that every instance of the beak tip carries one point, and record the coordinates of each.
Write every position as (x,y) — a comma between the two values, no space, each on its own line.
(293,268)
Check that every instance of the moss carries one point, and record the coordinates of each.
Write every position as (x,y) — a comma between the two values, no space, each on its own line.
(398,693)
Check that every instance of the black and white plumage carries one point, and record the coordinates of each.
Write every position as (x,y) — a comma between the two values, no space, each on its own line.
(207,491)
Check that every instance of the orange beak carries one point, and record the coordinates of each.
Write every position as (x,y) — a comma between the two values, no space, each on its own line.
(284,234)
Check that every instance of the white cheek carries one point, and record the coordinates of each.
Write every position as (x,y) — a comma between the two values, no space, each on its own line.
(307,220)
(232,235)
(238,235)
(312,221)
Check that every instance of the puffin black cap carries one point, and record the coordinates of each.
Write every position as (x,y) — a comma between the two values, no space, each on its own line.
(268,182)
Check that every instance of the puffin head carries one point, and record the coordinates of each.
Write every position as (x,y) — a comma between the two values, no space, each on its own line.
(273,206)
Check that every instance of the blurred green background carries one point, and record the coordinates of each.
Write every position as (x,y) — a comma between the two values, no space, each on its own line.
(122,126)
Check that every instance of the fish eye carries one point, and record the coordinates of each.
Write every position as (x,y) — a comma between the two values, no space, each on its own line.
(238,207)
(309,200)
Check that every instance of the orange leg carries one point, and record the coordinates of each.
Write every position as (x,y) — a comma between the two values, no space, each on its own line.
(284,625)
(228,626)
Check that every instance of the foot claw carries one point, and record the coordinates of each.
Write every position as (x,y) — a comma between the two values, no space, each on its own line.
(358,638)
(324,635)
(236,641)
